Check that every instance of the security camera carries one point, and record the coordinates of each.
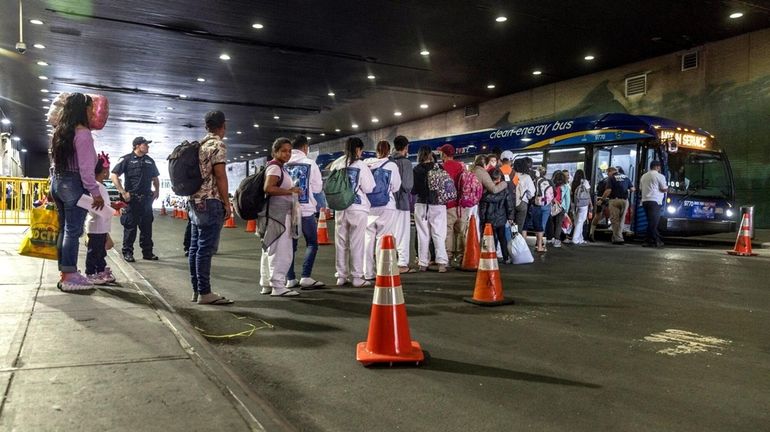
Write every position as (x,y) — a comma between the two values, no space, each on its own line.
(21,47)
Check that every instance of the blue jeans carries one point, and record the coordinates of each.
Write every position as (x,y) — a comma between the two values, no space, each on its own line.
(206,220)
(67,189)
(310,232)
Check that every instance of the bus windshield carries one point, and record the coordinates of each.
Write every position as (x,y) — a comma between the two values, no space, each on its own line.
(699,174)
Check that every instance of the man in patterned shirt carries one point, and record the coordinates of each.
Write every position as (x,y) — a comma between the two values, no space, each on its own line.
(209,207)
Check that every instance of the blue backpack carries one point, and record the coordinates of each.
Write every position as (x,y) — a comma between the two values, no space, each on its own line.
(381,194)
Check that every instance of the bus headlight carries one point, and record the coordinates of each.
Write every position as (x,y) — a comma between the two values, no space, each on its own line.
(671,209)
(729,213)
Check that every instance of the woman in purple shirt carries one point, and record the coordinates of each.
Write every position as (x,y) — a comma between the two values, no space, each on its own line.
(72,175)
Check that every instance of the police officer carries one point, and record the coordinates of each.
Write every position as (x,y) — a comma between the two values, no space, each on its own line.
(140,173)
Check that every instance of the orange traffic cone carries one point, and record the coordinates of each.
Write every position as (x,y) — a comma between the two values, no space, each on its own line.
(472,253)
(163,210)
(230,223)
(489,287)
(389,340)
(176,213)
(251,226)
(184,214)
(323,231)
(743,242)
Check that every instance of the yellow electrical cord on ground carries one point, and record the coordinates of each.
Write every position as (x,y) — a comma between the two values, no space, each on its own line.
(245,333)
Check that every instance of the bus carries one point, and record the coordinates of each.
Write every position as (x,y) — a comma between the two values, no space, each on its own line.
(701,193)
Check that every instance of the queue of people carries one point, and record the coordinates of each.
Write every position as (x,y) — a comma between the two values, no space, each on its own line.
(442,193)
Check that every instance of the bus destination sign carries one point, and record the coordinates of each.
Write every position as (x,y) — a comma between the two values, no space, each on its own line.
(686,139)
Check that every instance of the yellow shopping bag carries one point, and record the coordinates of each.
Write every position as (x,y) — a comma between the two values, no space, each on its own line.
(40,241)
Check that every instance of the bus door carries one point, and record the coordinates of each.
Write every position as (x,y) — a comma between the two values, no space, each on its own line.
(623,157)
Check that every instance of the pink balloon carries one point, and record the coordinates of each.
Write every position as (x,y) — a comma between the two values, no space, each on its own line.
(99,111)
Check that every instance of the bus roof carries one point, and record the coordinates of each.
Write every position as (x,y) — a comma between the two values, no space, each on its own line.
(610,127)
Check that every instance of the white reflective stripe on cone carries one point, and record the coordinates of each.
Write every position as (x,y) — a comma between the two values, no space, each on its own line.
(488,264)
(387,263)
(745,232)
(388,296)
(322,224)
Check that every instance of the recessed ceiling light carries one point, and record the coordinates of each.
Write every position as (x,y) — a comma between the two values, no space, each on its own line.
(323,134)
(224,57)
(36,22)
(183,96)
(424,53)
(337,130)
(256,125)
(537,72)
(199,79)
(15,138)
(43,77)
(330,94)
(226,138)
(501,19)
(43,90)
(45,107)
(23,150)
(490,86)
(42,63)
(257,26)
(375,120)
(309,138)
(248,154)
(424,106)
(39,46)
(5,121)
(736,15)
(354,126)
(589,57)
(239,132)
(170,108)
(45,100)
(397,113)
(276,117)
(371,77)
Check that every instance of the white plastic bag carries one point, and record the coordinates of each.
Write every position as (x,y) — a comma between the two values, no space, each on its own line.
(520,253)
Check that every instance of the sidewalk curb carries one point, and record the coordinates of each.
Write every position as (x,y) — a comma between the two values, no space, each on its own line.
(255,410)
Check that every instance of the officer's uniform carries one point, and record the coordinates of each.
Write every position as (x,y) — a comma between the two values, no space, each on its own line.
(138,174)
(619,185)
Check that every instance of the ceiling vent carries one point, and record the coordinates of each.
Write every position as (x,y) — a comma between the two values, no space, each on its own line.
(636,85)
(471,110)
(690,61)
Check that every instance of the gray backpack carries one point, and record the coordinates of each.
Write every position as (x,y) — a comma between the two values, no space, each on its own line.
(582,196)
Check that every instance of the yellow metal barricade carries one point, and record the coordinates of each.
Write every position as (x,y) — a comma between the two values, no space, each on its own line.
(19,194)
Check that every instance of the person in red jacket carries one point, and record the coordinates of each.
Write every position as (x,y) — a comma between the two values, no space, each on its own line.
(456,217)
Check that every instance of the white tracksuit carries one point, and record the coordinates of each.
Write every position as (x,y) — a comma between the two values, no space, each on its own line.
(349,224)
(581,214)
(430,222)
(382,220)
(403,233)
(277,259)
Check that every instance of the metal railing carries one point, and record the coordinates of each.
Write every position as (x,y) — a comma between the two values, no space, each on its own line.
(19,194)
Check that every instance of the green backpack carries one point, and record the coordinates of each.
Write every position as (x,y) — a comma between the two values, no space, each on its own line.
(339,190)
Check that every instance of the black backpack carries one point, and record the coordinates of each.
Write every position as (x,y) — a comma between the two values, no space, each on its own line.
(184,168)
(250,197)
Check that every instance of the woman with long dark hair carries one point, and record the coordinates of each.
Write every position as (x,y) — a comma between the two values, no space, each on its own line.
(72,175)
(350,224)
(429,215)
(581,205)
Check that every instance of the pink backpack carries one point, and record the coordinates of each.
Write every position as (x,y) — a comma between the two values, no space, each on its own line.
(470,189)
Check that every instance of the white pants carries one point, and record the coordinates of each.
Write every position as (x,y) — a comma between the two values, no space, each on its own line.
(577,226)
(276,260)
(430,221)
(349,234)
(403,229)
(380,222)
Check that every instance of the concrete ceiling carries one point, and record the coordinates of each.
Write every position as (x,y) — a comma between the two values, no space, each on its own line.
(145,54)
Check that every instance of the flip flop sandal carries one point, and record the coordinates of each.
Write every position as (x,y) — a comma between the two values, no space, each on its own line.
(194,297)
(288,293)
(408,270)
(314,286)
(218,302)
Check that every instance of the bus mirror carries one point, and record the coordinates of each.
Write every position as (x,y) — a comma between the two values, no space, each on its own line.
(671,145)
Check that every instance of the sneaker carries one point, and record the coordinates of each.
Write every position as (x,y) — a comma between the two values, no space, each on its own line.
(107,275)
(96,279)
(194,297)
(266,290)
(548,242)
(442,268)
(292,283)
(74,282)
(557,243)
(423,268)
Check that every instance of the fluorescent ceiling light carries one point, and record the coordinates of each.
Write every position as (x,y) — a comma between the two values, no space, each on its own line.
(375,120)
(354,126)
(276,117)
(397,113)
(183,96)
(424,53)
(256,125)
(537,72)
(43,90)
(490,86)
(336,130)
(42,63)
(43,77)
(371,77)
(39,46)
(36,22)
(199,79)
(736,15)
(424,106)
(501,19)
(323,134)
(257,26)
(17,139)
(589,57)
(239,132)
(45,100)
(224,57)
(330,94)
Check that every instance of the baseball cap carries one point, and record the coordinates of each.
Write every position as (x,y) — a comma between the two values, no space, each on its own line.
(140,140)
(447,149)
(507,155)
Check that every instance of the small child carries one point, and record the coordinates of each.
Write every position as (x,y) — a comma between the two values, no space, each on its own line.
(99,240)
(498,209)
